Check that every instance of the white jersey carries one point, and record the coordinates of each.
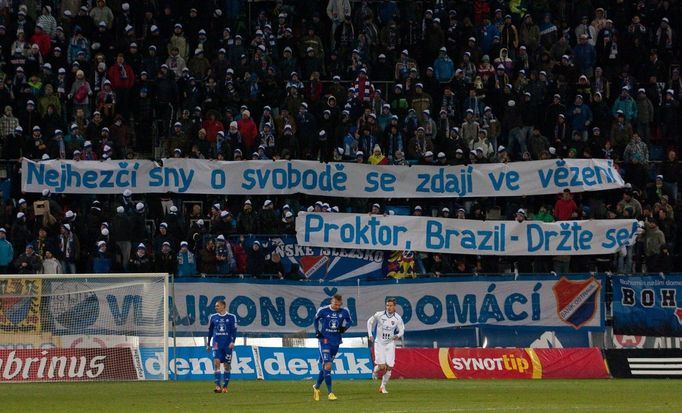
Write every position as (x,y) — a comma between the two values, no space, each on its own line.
(388,327)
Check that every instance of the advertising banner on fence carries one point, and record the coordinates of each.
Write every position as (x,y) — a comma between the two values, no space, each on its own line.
(490,363)
(461,236)
(303,363)
(275,307)
(656,364)
(195,363)
(59,364)
(349,180)
(321,263)
(648,305)
(263,307)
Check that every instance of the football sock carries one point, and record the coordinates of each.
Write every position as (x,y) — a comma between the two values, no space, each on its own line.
(320,377)
(226,378)
(216,376)
(328,380)
(384,380)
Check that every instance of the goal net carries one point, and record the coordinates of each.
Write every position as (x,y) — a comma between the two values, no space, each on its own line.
(83,327)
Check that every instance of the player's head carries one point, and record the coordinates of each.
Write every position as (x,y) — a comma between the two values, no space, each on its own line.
(390,305)
(337,302)
(220,306)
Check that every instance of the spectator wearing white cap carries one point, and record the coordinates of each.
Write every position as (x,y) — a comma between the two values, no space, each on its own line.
(20,234)
(47,22)
(121,231)
(165,261)
(470,126)
(69,248)
(141,261)
(483,144)
(186,261)
(626,104)
(255,258)
(80,92)
(621,132)
(198,64)
(418,145)
(163,236)
(247,221)
(670,110)
(444,67)
(102,260)
(225,260)
(403,66)
(288,224)
(421,101)
(645,114)
(268,218)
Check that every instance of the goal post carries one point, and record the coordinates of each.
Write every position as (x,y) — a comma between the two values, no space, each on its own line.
(84,327)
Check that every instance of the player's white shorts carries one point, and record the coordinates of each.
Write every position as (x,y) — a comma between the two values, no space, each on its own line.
(384,353)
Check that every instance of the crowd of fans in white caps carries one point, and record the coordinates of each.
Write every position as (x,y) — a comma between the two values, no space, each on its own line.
(446,82)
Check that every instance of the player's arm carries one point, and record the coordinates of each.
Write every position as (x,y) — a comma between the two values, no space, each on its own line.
(346,321)
(316,323)
(370,326)
(401,329)
(233,331)
(210,333)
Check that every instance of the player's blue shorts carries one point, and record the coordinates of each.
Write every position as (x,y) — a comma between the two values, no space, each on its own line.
(224,354)
(328,350)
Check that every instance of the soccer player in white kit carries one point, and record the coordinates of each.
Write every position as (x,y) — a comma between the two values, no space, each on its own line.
(389,329)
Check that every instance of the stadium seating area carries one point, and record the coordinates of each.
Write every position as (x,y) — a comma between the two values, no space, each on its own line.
(446,82)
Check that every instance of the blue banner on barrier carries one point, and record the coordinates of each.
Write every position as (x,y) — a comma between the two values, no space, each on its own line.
(648,305)
(302,363)
(195,363)
(273,308)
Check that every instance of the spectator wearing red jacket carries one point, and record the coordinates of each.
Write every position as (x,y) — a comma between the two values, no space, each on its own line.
(249,132)
(565,207)
(212,126)
(42,39)
(122,78)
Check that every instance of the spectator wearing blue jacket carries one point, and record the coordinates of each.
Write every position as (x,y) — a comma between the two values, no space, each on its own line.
(585,56)
(444,67)
(187,263)
(77,45)
(580,117)
(488,31)
(627,104)
(6,252)
(101,259)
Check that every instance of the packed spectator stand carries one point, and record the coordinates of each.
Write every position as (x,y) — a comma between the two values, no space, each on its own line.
(379,82)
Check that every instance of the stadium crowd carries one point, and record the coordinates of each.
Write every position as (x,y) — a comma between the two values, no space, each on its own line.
(445,82)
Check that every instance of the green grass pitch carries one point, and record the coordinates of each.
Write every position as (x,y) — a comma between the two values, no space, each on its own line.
(427,396)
